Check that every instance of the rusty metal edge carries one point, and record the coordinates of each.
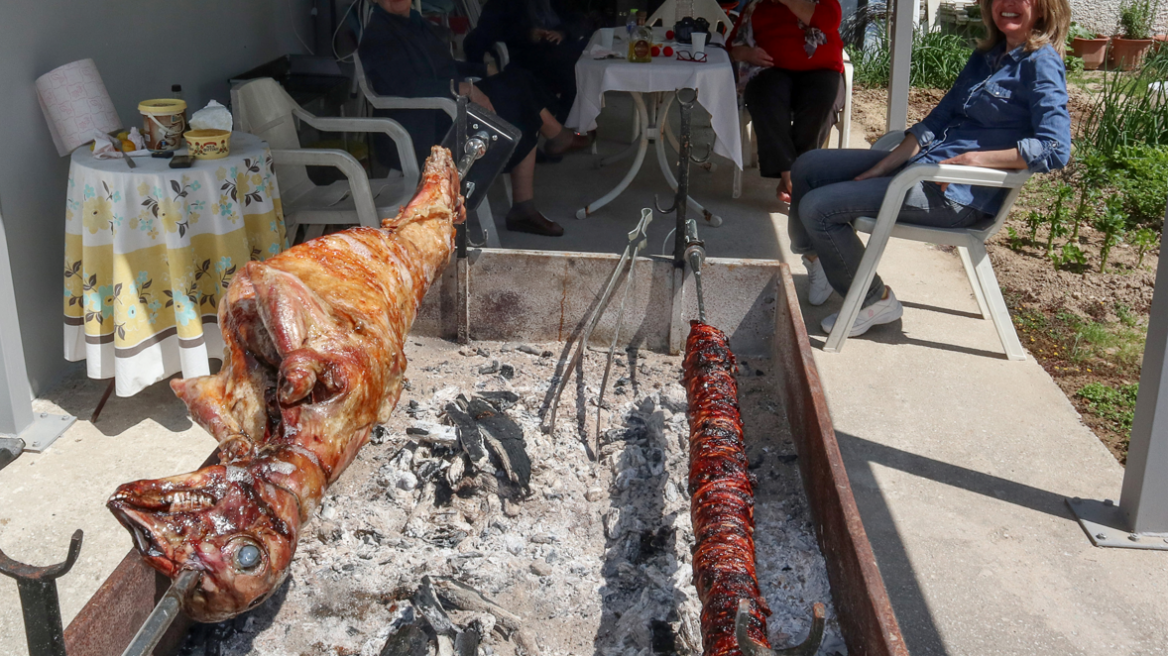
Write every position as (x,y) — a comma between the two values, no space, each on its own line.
(108,621)
(865,613)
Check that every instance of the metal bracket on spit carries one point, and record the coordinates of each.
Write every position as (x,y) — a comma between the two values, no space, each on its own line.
(39,601)
(460,237)
(638,239)
(808,647)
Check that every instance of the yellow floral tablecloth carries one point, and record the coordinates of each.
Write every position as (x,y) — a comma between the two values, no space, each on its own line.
(150,251)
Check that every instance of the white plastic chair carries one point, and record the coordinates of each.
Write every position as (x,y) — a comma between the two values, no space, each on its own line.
(263,108)
(843,126)
(707,9)
(486,218)
(970,242)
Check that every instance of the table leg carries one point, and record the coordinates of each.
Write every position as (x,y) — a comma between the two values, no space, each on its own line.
(713,219)
(642,147)
(101,404)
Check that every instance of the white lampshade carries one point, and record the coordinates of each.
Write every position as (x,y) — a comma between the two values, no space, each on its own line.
(76,103)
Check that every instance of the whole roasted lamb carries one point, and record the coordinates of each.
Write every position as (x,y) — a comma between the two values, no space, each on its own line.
(314,361)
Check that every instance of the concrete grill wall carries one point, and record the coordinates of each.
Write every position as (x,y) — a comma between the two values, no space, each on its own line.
(141,49)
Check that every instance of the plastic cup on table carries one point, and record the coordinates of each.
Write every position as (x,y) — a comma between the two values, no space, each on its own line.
(606,35)
(699,42)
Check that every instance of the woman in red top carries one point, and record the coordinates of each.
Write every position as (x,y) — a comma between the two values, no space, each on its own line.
(790,61)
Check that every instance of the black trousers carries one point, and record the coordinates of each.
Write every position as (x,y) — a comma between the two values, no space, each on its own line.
(517,99)
(793,112)
(554,67)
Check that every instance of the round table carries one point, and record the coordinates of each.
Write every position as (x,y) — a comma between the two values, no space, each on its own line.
(150,251)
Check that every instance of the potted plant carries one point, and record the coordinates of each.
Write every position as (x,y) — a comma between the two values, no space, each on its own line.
(1135,23)
(1087,45)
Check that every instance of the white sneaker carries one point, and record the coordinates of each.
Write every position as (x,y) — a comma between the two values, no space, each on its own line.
(885,310)
(820,288)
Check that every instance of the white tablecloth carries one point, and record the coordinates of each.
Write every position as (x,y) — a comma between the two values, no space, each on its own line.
(149,252)
(714,81)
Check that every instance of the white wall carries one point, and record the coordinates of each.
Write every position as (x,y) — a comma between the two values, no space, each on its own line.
(141,47)
(1103,15)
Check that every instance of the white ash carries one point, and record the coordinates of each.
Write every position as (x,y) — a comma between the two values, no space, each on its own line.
(596,559)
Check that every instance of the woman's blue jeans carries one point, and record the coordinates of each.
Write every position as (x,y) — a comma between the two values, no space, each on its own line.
(826,198)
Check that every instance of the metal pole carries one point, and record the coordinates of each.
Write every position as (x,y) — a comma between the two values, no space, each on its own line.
(685,100)
(1140,521)
(162,616)
(38,430)
(902,36)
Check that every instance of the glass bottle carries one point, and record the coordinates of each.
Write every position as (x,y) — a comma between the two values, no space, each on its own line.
(641,43)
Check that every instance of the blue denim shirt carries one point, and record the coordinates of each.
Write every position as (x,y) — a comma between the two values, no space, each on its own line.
(1001,100)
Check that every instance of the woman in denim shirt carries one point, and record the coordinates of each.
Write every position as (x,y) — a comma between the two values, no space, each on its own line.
(1007,110)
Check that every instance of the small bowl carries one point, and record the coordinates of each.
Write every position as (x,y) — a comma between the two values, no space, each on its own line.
(208,144)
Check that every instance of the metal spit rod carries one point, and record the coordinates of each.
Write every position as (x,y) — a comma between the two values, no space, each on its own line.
(163,615)
(39,601)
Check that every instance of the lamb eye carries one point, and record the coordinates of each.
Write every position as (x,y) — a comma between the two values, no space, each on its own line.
(247,556)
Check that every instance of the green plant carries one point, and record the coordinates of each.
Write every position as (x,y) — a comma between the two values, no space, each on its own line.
(1117,405)
(1140,172)
(1125,315)
(1071,254)
(1077,31)
(1125,112)
(1111,223)
(1074,65)
(937,59)
(1135,18)
(1144,239)
(1012,239)
(1057,224)
(1034,221)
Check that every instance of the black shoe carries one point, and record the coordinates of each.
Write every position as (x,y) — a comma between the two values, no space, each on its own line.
(536,224)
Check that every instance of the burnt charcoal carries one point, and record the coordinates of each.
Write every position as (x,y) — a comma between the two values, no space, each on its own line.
(409,640)
(504,440)
(469,435)
(501,400)
(530,350)
(482,352)
(507,371)
(654,543)
(443,493)
(426,602)
(492,368)
(427,469)
(445,537)
(379,435)
(467,642)
(663,639)
(787,459)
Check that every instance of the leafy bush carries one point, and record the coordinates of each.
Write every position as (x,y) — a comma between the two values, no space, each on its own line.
(937,59)
(1143,240)
(1074,64)
(1141,175)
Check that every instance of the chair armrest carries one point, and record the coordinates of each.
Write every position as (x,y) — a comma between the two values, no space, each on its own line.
(394,102)
(960,174)
(358,179)
(390,127)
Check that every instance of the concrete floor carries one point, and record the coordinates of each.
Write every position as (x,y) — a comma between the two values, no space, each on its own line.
(960,460)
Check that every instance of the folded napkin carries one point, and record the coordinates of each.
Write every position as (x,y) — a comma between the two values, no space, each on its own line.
(599,52)
(104,148)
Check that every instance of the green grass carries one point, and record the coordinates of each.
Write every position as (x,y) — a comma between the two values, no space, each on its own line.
(937,60)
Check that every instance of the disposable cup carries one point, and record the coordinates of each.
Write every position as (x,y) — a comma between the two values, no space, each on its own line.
(699,42)
(606,34)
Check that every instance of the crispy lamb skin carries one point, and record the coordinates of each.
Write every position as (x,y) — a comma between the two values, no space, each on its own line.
(721,495)
(313,361)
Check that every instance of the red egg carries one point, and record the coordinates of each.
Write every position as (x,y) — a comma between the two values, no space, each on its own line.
(669,34)
(656,51)
(668,51)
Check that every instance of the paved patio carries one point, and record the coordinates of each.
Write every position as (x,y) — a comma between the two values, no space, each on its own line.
(960,460)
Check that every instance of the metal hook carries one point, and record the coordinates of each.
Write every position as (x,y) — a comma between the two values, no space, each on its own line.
(657,204)
(38,599)
(807,648)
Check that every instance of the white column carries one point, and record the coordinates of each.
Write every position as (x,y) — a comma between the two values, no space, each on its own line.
(903,17)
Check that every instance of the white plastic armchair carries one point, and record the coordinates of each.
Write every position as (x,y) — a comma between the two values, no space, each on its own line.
(264,109)
(485,217)
(970,243)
